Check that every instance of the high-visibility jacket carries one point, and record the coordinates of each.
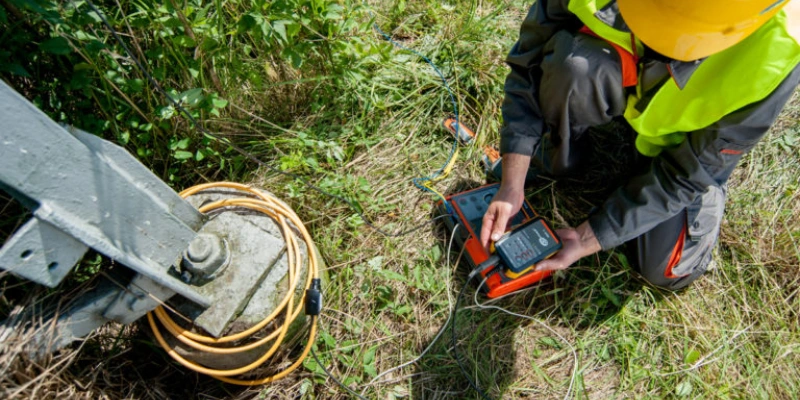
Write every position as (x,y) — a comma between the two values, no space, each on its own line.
(725,82)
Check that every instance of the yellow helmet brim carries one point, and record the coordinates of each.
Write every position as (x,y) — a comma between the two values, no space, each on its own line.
(689,30)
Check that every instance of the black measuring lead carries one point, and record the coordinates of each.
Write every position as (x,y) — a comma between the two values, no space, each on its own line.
(313,303)
(330,375)
(492,261)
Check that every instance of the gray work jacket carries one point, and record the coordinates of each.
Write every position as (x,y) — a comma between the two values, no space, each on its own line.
(677,177)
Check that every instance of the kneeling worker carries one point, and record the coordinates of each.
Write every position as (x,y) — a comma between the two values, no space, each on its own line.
(700,82)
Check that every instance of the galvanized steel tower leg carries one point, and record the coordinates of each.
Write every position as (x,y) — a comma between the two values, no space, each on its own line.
(86,192)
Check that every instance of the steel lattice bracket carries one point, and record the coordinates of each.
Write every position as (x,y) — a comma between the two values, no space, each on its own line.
(40,252)
(87,192)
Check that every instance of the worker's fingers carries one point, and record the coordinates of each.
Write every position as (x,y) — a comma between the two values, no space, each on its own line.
(500,223)
(506,203)
(494,222)
(554,263)
(487,225)
(570,252)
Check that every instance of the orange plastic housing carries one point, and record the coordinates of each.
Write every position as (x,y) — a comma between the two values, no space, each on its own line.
(467,209)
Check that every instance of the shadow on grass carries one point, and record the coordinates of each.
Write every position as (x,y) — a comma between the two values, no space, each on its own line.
(114,361)
(492,345)
(490,342)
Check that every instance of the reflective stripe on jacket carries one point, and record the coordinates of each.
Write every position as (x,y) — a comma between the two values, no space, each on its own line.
(679,175)
(725,82)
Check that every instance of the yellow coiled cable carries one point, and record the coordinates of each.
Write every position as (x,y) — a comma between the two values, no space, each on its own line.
(279,212)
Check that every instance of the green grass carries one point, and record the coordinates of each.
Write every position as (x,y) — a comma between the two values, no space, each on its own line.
(359,118)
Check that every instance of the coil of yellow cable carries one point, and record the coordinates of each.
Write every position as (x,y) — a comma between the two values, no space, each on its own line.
(280,213)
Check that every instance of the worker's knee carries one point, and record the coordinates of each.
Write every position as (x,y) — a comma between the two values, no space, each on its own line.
(671,262)
(565,70)
(664,278)
(678,251)
(583,74)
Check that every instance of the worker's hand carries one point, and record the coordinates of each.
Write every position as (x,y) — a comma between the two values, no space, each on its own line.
(577,243)
(505,204)
(508,200)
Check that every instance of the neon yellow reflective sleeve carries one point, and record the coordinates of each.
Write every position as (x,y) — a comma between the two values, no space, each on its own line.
(743,74)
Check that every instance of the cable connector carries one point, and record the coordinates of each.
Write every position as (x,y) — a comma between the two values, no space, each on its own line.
(492,261)
(313,298)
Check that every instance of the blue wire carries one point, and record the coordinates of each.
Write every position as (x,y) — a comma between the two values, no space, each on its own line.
(418,181)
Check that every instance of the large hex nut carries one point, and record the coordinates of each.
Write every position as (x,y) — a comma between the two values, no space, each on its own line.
(206,254)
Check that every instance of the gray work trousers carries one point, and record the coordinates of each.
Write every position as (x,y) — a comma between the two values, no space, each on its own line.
(581,87)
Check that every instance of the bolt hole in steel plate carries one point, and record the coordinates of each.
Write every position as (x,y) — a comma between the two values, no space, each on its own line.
(26,254)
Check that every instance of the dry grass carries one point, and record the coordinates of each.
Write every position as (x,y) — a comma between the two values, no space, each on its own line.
(733,334)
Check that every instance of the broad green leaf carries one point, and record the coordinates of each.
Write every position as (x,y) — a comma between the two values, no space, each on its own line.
(184,41)
(436,253)
(403,310)
(692,357)
(246,23)
(84,36)
(310,161)
(82,67)
(305,387)
(219,103)
(114,76)
(166,112)
(335,8)
(684,389)
(295,57)
(623,260)
(369,355)
(56,45)
(311,364)
(15,69)
(183,155)
(328,339)
(280,28)
(292,29)
(135,85)
(351,380)
(124,137)
(209,44)
(191,96)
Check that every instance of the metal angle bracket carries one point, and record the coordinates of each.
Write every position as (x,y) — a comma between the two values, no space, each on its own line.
(85,191)
(40,252)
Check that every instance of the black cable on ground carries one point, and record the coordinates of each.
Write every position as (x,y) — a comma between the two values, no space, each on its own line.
(238,149)
(491,261)
(338,382)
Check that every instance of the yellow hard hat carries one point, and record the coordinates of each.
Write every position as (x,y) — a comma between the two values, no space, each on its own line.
(688,30)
